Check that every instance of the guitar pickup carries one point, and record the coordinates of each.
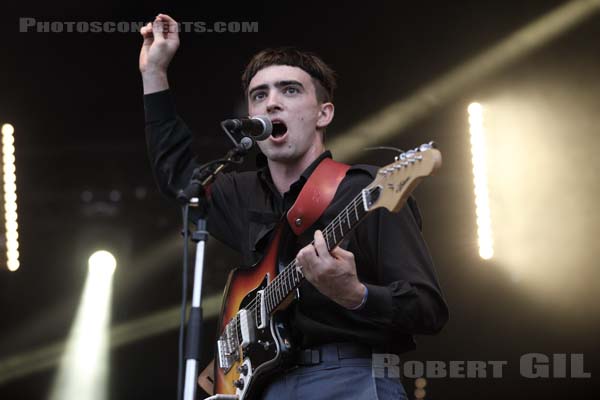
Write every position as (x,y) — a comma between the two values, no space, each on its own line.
(247,327)
(261,310)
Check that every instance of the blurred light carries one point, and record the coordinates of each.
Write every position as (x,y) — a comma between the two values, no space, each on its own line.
(83,368)
(87,196)
(391,121)
(114,195)
(420,383)
(419,393)
(542,173)
(102,262)
(8,129)
(10,197)
(140,192)
(482,208)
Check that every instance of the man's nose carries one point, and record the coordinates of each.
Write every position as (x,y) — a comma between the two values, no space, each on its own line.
(273,103)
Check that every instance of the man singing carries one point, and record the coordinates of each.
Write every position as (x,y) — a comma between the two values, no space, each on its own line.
(369,297)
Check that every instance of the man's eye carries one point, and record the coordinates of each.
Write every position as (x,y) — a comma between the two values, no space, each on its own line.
(291,90)
(258,96)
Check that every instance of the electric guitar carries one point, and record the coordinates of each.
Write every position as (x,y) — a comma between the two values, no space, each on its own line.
(253,342)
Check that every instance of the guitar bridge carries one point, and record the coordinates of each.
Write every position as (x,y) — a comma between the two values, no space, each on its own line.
(225,359)
(227,345)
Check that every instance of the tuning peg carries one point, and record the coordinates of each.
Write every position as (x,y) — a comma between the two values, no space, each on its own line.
(428,146)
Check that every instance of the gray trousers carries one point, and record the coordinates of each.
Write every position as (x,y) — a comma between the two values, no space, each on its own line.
(347,379)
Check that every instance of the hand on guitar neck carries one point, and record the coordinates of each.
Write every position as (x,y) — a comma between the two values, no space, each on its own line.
(333,274)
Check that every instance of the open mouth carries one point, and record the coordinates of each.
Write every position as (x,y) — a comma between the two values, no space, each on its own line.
(279,129)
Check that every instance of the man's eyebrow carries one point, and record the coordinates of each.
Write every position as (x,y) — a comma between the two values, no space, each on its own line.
(287,83)
(278,84)
(259,87)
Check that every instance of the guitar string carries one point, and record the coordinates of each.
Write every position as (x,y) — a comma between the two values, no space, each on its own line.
(277,282)
(291,267)
(330,229)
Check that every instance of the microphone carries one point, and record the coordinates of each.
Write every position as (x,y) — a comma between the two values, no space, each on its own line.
(258,128)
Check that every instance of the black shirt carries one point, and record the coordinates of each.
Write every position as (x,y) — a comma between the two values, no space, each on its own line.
(392,259)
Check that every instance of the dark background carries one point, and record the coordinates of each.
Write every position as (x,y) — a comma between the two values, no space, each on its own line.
(75,100)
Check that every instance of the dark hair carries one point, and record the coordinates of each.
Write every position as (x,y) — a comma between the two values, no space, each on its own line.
(322,74)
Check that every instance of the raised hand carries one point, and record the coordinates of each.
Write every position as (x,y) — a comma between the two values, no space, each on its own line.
(161,41)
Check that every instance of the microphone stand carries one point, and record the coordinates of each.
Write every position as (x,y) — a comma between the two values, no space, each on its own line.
(195,196)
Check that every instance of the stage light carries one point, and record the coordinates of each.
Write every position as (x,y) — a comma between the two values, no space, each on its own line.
(392,120)
(84,365)
(102,262)
(543,177)
(8,129)
(478,154)
(419,394)
(10,197)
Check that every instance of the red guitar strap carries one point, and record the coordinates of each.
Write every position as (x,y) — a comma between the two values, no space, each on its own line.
(316,195)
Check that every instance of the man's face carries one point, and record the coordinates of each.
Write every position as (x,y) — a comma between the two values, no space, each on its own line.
(287,96)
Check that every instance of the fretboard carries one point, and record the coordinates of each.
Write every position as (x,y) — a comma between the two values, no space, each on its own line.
(289,278)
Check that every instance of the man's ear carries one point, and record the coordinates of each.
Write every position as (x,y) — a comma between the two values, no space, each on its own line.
(325,115)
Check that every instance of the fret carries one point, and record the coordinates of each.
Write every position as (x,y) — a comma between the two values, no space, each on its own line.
(281,288)
(348,218)
(279,297)
(290,278)
(267,299)
(272,297)
(283,285)
(333,228)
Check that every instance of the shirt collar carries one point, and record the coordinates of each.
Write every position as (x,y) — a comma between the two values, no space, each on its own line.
(265,174)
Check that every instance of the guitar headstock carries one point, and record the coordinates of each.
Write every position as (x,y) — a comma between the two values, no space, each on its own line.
(395,182)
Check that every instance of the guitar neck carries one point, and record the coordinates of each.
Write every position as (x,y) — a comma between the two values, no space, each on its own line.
(337,230)
(390,189)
